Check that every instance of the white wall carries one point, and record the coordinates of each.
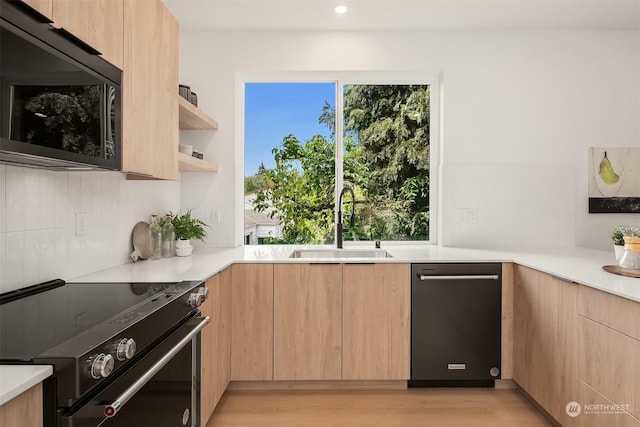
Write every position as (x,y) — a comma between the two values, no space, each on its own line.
(37,221)
(520,110)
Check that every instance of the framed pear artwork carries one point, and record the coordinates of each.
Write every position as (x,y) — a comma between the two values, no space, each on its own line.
(614,180)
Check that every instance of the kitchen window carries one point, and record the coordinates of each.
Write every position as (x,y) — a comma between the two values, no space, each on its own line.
(307,140)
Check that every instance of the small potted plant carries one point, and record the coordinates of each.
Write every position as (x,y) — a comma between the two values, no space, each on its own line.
(618,241)
(187,228)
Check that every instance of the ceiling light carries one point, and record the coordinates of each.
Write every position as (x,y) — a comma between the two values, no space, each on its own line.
(341,9)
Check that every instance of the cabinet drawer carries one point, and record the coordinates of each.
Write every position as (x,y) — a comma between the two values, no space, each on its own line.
(608,362)
(616,312)
(597,410)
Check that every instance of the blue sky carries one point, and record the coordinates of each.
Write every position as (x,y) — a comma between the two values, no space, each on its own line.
(275,110)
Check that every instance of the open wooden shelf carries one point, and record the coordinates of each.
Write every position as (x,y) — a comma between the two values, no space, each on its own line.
(193,118)
(191,164)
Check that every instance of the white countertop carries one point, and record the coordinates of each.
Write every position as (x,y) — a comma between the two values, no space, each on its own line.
(16,379)
(578,265)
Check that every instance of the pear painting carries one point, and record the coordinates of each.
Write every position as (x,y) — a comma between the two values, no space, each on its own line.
(608,175)
(614,180)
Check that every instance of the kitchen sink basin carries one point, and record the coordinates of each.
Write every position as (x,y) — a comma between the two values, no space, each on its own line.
(340,253)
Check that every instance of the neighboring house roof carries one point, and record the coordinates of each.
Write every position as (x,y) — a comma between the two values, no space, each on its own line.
(258,218)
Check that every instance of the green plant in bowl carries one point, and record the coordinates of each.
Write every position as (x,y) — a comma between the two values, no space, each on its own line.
(187,227)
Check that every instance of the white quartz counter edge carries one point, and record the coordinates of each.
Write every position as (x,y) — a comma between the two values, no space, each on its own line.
(16,379)
(578,265)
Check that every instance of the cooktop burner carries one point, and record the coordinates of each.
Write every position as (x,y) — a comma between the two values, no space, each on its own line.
(40,324)
(90,332)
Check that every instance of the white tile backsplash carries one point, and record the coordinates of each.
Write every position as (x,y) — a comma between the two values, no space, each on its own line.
(14,198)
(37,221)
(3,205)
(518,205)
(14,260)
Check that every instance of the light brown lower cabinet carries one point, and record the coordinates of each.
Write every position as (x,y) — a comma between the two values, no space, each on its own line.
(252,322)
(307,321)
(376,321)
(24,410)
(545,336)
(215,344)
(609,350)
(598,411)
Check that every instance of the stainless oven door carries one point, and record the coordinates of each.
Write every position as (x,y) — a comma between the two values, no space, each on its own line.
(160,390)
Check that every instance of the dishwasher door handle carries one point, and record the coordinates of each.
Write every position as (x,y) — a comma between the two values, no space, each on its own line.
(461,277)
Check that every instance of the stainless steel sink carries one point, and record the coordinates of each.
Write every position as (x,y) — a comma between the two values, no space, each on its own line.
(340,253)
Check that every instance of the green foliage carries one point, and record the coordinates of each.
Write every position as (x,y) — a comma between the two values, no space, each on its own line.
(188,228)
(302,191)
(385,161)
(391,125)
(617,236)
(258,181)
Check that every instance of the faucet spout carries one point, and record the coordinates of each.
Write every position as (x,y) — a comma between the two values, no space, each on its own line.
(340,230)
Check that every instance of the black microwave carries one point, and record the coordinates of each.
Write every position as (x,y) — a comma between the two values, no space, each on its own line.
(60,101)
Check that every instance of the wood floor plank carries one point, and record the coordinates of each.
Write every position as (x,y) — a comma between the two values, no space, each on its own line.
(376,408)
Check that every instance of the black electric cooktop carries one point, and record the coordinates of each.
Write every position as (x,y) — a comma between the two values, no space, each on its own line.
(68,319)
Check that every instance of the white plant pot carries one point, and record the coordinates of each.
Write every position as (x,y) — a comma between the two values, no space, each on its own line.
(183,247)
(619,250)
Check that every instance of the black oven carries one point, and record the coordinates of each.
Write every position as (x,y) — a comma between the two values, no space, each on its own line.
(158,391)
(60,105)
(123,354)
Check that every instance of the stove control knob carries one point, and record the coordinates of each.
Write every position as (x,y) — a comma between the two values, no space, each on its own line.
(204,291)
(126,349)
(102,366)
(195,299)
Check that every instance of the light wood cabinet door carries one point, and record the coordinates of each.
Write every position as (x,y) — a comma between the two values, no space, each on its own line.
(42,6)
(215,343)
(609,362)
(223,342)
(307,319)
(99,23)
(252,322)
(150,83)
(24,410)
(545,340)
(207,354)
(376,321)
(592,416)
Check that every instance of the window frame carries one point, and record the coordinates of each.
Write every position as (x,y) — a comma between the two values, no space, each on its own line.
(342,79)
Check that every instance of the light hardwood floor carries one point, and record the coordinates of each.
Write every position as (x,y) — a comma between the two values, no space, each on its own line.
(407,408)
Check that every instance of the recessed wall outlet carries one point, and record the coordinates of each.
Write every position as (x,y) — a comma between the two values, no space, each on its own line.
(468,215)
(81,223)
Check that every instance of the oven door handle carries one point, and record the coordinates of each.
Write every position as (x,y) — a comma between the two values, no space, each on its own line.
(112,409)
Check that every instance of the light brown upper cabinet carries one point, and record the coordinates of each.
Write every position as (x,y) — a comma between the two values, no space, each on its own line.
(376,322)
(42,6)
(99,23)
(545,316)
(149,86)
(307,321)
(252,322)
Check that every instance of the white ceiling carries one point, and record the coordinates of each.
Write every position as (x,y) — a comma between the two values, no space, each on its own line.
(407,14)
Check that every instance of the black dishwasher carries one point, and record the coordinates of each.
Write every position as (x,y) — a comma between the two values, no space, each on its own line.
(456,317)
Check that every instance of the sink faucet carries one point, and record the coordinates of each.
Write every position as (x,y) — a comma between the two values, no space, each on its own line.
(339,228)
